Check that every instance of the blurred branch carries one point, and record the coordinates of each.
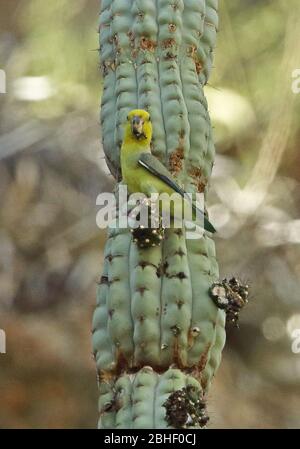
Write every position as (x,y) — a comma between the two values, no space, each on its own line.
(21,138)
(279,130)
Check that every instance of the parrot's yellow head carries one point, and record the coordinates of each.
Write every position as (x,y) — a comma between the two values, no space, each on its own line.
(138,127)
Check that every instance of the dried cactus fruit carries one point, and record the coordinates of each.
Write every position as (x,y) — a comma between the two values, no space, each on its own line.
(230,295)
(151,233)
(147,237)
(186,408)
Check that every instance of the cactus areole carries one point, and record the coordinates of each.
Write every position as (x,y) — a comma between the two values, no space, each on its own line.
(157,334)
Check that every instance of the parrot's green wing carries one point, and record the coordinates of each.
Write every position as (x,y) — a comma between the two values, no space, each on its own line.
(154,166)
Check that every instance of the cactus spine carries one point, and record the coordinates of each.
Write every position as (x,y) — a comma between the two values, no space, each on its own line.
(156,330)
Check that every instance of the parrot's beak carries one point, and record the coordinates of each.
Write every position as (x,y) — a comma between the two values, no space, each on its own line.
(137,126)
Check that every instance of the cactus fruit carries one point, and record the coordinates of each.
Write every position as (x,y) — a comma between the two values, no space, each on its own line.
(230,296)
(154,307)
(148,237)
(151,235)
(186,408)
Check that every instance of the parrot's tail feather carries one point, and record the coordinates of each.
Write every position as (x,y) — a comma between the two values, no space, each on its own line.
(207,224)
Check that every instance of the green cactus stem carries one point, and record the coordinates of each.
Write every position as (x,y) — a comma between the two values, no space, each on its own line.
(148,400)
(154,305)
(157,55)
(154,308)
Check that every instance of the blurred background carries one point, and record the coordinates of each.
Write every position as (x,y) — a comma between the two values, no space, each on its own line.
(52,169)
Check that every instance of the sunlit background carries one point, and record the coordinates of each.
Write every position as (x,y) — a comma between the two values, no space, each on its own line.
(52,169)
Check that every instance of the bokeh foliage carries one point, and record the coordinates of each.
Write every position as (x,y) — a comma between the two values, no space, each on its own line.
(51,170)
